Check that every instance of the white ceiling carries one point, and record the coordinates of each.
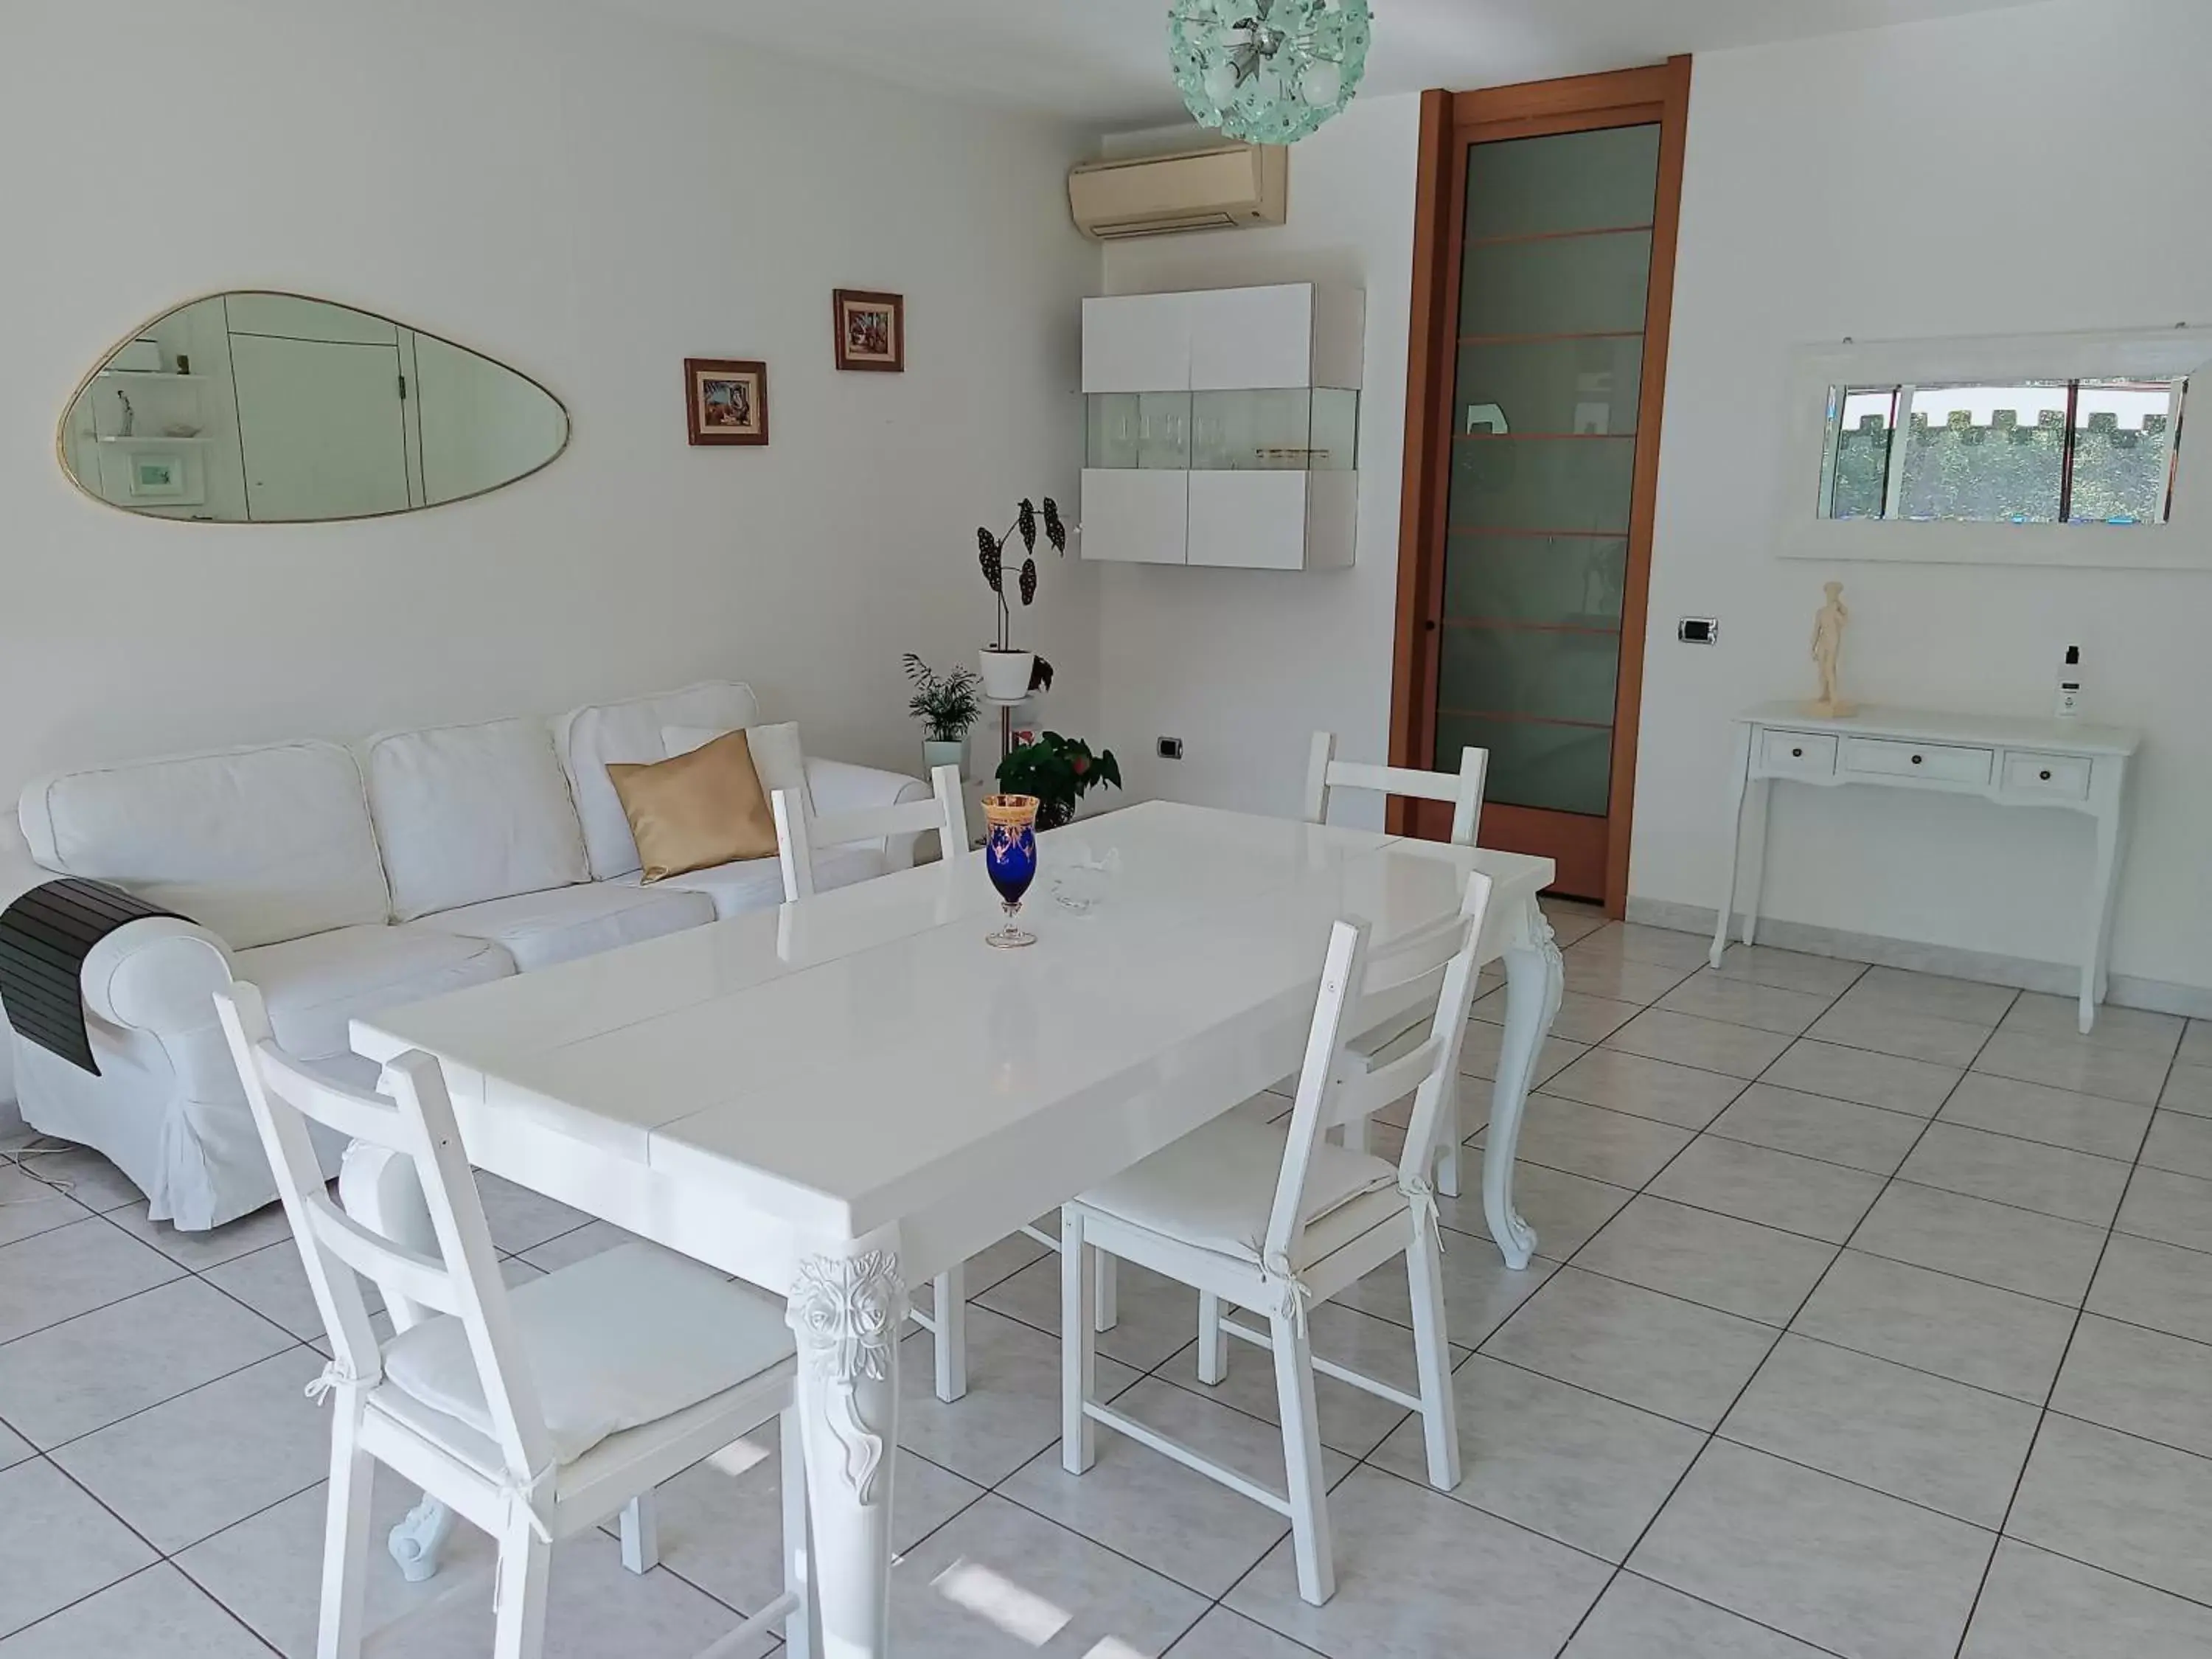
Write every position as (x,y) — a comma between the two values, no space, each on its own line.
(1104,62)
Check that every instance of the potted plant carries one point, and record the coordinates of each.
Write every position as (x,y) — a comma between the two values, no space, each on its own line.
(1059,771)
(1009,675)
(947,704)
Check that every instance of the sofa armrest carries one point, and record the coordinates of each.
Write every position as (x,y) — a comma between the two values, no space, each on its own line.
(839,786)
(159,974)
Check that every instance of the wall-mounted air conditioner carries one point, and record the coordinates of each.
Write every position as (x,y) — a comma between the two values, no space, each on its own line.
(1225,187)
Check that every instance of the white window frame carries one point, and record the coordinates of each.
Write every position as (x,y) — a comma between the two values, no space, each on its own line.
(2182,541)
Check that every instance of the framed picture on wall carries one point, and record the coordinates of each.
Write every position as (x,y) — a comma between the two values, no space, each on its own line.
(871,329)
(157,478)
(726,400)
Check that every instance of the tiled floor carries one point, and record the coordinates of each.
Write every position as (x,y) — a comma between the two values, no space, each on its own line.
(1873,1318)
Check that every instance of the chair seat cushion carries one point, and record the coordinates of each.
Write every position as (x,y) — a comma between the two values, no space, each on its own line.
(315,985)
(622,1338)
(1213,1189)
(757,884)
(562,923)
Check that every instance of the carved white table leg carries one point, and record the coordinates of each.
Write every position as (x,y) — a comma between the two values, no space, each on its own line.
(846,1311)
(418,1542)
(1533,985)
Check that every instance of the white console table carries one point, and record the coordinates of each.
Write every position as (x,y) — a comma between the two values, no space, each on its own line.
(2015,762)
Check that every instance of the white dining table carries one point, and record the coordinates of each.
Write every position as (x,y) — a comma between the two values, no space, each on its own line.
(849,1095)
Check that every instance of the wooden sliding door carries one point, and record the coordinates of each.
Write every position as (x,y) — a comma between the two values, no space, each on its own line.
(1544,260)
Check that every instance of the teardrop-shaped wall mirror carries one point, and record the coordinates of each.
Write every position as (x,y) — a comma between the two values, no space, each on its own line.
(263,408)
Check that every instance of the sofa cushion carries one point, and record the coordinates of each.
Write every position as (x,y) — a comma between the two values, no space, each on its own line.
(757,884)
(314,985)
(587,739)
(465,813)
(778,761)
(539,929)
(258,844)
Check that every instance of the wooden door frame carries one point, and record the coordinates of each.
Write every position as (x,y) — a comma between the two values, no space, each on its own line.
(1448,122)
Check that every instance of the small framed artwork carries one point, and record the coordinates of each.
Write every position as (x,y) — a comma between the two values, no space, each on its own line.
(157,478)
(870,331)
(726,400)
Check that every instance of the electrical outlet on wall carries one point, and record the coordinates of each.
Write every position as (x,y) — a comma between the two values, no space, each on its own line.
(1171,748)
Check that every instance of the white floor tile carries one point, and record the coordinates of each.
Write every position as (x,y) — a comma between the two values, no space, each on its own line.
(2076,1186)
(2180,1143)
(272,1282)
(1637,1619)
(1406,1560)
(2174,1209)
(2065,1062)
(1792,970)
(194,1465)
(205,1249)
(1000,1583)
(1225,1635)
(2143,1382)
(1712,1044)
(1635,1345)
(1830,1563)
(1967,1001)
(1892,1032)
(2058,1118)
(2040,1606)
(1919,1437)
(1602,973)
(1745,1002)
(1680,1095)
(1156,1314)
(72,1270)
(1599,1145)
(1843,1132)
(519,1218)
(28,1207)
(1477,1056)
(158,1611)
(1974,1238)
(1976,1334)
(85,1373)
(2189,1089)
(1737,1267)
(2127,1505)
(1149,1508)
(1558,1460)
(58,1544)
(2138,1030)
(2160,1285)
(14,1449)
(1890,1081)
(1011,1409)
(1581,1019)
(1775,1188)
(1480,1290)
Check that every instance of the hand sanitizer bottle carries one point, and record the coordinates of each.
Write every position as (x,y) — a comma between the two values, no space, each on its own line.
(2070,684)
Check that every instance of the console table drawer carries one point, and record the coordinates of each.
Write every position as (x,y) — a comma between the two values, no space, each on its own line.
(1798,754)
(1887,757)
(2055,777)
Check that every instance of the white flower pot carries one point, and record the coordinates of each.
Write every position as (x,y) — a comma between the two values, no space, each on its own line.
(1006,673)
(934,755)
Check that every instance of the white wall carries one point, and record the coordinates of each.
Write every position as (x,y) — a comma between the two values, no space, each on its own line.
(2045,184)
(1244,664)
(591,198)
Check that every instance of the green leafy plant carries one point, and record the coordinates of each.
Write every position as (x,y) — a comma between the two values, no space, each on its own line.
(946,704)
(1059,771)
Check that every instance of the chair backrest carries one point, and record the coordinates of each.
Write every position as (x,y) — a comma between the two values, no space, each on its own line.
(799,835)
(1325,774)
(413,1120)
(1328,1095)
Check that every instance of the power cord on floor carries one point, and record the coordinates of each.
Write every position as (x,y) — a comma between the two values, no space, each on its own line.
(18,1158)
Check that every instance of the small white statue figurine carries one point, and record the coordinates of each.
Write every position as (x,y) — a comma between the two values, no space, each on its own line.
(1827,647)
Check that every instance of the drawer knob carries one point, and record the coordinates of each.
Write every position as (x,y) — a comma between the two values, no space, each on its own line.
(2044,774)
(1917,759)
(1797,753)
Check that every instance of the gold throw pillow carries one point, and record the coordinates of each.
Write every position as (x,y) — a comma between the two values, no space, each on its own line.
(697,811)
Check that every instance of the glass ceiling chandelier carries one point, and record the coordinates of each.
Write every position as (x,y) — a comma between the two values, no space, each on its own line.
(1268,71)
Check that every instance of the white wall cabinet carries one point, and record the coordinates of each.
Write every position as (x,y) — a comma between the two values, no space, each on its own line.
(1222,427)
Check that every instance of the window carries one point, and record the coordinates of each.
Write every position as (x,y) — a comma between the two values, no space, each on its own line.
(2087,451)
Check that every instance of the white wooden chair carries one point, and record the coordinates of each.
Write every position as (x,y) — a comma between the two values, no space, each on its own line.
(799,835)
(534,1414)
(1380,1030)
(1274,1218)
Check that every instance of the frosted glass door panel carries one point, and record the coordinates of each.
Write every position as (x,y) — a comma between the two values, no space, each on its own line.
(1543,482)
(1549,674)
(1600,180)
(1555,273)
(1558,581)
(1550,385)
(1563,768)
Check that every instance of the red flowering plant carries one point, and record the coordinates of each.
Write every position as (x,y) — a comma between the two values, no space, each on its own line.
(1059,771)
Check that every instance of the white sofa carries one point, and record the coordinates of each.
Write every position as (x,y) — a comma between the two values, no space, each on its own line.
(342,880)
